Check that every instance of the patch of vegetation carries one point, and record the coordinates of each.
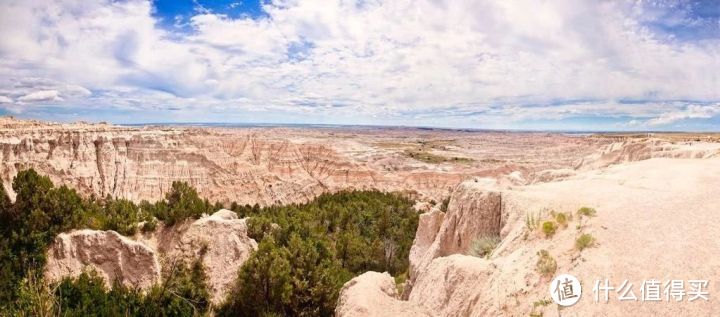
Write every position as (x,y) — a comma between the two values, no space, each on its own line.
(539,303)
(400,280)
(562,219)
(427,157)
(546,264)
(306,252)
(585,241)
(183,292)
(549,228)
(532,221)
(542,303)
(492,161)
(483,245)
(181,202)
(587,212)
(302,263)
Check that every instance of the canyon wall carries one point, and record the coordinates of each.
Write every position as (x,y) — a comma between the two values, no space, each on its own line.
(269,165)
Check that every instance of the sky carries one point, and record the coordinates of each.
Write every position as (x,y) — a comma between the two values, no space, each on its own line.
(485,64)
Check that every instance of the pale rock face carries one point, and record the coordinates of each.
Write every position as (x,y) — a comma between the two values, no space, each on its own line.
(374,294)
(474,210)
(221,241)
(453,286)
(112,256)
(428,226)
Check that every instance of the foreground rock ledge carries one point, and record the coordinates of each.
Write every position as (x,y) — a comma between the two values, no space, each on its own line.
(656,209)
(374,294)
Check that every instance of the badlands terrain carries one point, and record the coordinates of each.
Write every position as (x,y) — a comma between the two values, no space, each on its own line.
(656,198)
(271,165)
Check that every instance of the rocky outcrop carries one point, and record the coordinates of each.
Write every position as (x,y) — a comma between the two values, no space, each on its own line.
(454,286)
(474,210)
(429,225)
(221,241)
(374,294)
(112,256)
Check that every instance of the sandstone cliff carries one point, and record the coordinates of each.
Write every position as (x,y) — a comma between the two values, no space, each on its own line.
(269,165)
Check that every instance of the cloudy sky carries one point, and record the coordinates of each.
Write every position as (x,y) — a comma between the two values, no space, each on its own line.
(570,65)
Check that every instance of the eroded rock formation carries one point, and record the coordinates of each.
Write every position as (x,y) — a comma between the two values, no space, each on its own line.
(219,240)
(475,210)
(453,286)
(269,165)
(112,256)
(374,294)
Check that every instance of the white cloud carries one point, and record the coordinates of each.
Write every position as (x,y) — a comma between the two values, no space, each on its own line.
(42,95)
(4,99)
(691,112)
(502,60)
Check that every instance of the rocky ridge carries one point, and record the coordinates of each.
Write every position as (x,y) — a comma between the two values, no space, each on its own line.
(446,282)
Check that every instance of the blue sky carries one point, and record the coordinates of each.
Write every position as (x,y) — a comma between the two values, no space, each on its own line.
(557,65)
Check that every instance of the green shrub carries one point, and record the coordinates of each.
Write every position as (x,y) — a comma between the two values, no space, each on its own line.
(35,298)
(545,264)
(562,219)
(483,245)
(183,202)
(121,215)
(183,292)
(549,228)
(587,212)
(258,227)
(586,240)
(149,225)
